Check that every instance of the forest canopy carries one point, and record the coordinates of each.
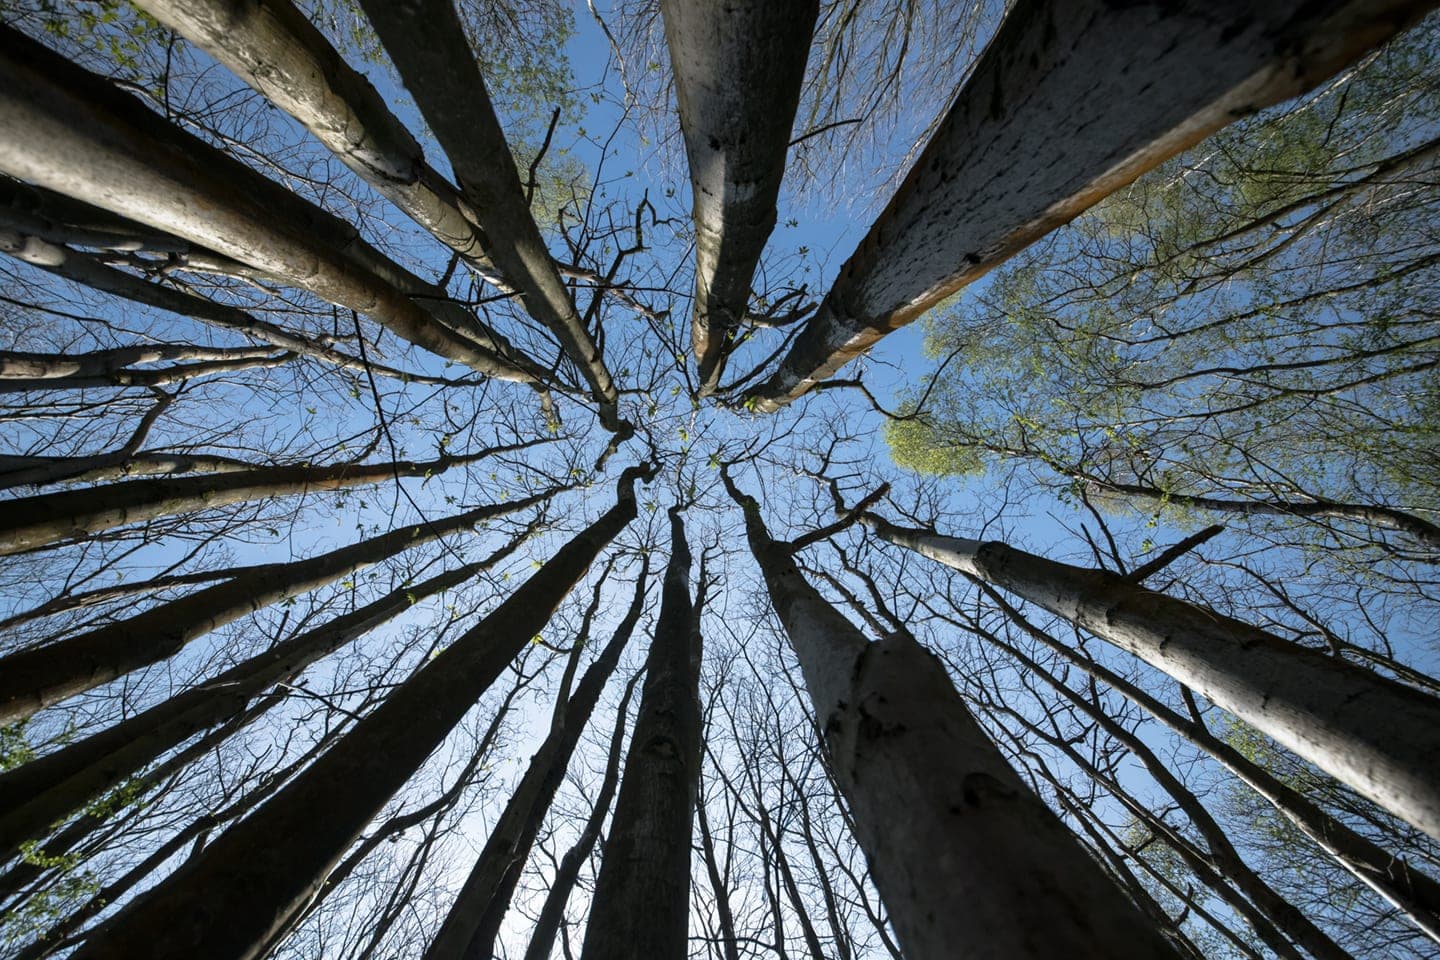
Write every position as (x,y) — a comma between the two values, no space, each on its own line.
(880,478)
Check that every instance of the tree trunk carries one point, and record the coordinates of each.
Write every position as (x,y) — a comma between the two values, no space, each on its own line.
(33,679)
(30,522)
(473,923)
(1070,101)
(46,790)
(977,866)
(1379,736)
(552,912)
(641,903)
(226,903)
(77,134)
(427,44)
(737,68)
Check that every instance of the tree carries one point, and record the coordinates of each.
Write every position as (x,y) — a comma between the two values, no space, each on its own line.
(337,339)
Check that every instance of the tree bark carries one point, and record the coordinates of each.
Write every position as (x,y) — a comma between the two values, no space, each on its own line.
(1379,736)
(1069,102)
(33,679)
(30,522)
(46,790)
(641,903)
(977,866)
(473,923)
(427,44)
(737,69)
(77,134)
(226,903)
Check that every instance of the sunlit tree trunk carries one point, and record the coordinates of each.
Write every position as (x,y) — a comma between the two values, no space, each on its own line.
(227,902)
(473,923)
(968,860)
(426,41)
(1070,101)
(77,134)
(737,69)
(33,679)
(1379,736)
(48,789)
(641,903)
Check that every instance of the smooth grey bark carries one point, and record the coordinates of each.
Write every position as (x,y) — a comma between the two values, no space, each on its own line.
(33,679)
(1411,891)
(471,927)
(77,134)
(977,866)
(47,789)
(426,41)
(1070,101)
(15,365)
(737,68)
(1379,736)
(552,912)
(641,903)
(267,359)
(226,903)
(30,522)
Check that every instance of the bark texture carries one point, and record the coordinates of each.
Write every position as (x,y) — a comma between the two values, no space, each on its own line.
(1379,736)
(738,68)
(77,134)
(968,860)
(1070,101)
(641,904)
(226,903)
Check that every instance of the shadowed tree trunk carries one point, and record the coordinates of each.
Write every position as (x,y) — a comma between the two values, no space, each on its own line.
(974,865)
(737,69)
(33,679)
(228,902)
(46,790)
(473,923)
(1070,101)
(552,912)
(1379,736)
(427,44)
(641,903)
(30,522)
(77,134)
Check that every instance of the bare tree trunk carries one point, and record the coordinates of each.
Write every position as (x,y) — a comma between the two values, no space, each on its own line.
(75,133)
(101,363)
(977,866)
(33,679)
(46,790)
(1379,736)
(641,903)
(426,41)
(473,923)
(738,68)
(226,903)
(1070,101)
(552,912)
(1392,877)
(30,522)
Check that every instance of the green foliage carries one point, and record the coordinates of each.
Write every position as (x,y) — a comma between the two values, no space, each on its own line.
(916,445)
(14,748)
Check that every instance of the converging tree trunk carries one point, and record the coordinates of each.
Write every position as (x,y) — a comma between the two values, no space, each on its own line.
(722,56)
(1071,100)
(426,41)
(641,903)
(473,923)
(45,790)
(76,133)
(1379,736)
(968,860)
(33,679)
(227,902)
